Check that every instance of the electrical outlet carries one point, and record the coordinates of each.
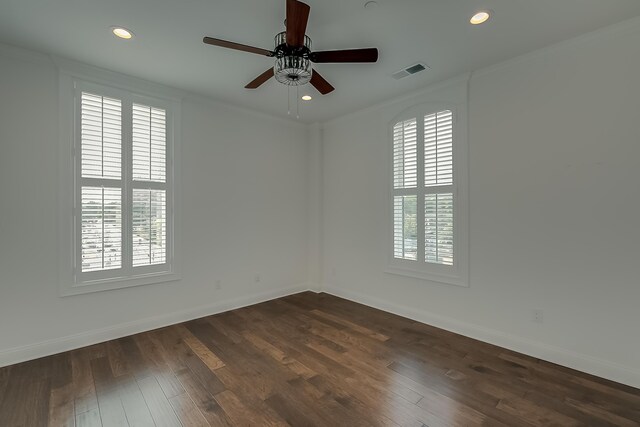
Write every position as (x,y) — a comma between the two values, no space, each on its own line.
(257,278)
(218,285)
(537,316)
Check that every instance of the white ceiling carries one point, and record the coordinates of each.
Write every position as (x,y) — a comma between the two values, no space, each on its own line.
(168,45)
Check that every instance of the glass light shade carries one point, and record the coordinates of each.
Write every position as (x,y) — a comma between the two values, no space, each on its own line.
(292,70)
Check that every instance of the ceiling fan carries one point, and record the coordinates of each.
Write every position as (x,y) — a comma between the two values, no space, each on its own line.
(293,53)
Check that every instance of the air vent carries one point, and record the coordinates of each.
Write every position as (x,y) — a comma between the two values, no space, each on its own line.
(413,69)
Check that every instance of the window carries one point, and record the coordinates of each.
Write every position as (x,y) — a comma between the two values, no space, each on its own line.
(123,216)
(428,231)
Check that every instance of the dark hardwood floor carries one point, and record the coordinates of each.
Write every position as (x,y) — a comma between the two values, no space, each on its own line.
(306,360)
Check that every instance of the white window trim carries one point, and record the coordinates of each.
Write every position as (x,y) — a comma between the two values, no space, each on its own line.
(73,78)
(458,274)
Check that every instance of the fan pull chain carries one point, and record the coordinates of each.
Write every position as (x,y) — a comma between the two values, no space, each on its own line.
(289,100)
(297,102)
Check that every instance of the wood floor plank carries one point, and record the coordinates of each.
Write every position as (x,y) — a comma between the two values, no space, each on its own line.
(330,408)
(14,388)
(111,409)
(399,410)
(61,407)
(280,356)
(441,406)
(534,414)
(306,360)
(117,359)
(136,363)
(436,380)
(89,418)
(183,358)
(290,412)
(134,403)
(61,371)
(37,404)
(158,404)
(155,359)
(167,342)
(354,327)
(25,399)
(243,415)
(4,378)
(84,392)
(595,411)
(204,401)
(187,412)
(212,361)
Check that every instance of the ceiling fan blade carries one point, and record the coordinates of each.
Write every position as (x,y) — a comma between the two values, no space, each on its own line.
(323,86)
(237,46)
(297,17)
(349,55)
(258,81)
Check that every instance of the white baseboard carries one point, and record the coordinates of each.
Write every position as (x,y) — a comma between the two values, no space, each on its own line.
(554,354)
(315,287)
(83,339)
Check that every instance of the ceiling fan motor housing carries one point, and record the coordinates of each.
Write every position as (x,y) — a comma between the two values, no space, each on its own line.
(292,66)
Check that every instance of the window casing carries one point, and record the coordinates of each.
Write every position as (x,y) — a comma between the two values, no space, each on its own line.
(428,237)
(122,206)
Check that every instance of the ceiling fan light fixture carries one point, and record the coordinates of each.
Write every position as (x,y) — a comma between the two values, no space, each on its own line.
(122,33)
(293,55)
(480,17)
(292,70)
(292,66)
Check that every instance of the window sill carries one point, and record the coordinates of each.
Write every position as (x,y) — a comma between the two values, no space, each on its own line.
(428,276)
(118,283)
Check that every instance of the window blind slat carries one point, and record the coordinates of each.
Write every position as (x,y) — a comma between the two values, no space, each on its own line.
(101,136)
(101,228)
(149,227)
(438,214)
(405,227)
(438,149)
(149,129)
(405,154)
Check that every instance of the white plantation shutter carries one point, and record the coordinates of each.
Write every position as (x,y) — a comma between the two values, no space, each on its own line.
(149,170)
(405,154)
(405,177)
(149,143)
(424,194)
(438,149)
(438,177)
(438,223)
(122,194)
(101,228)
(149,227)
(101,144)
(405,227)
(101,183)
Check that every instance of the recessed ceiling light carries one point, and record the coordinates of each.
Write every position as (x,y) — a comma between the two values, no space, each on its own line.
(307,98)
(480,18)
(123,33)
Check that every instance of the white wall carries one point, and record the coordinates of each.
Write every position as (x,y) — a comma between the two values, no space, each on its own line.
(314,189)
(244,212)
(554,142)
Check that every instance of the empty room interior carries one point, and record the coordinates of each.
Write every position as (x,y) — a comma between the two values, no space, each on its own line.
(418,213)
